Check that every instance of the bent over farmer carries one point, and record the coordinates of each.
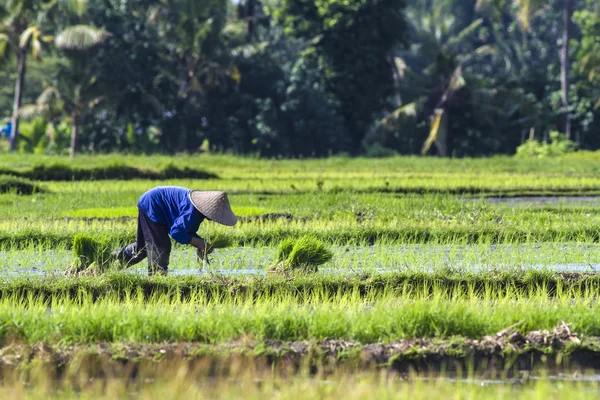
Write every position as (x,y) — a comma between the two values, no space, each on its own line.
(178,212)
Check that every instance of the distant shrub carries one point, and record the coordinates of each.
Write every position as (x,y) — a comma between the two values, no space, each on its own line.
(559,145)
(64,172)
(12,184)
(377,150)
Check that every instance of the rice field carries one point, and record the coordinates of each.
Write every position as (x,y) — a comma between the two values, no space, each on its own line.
(455,278)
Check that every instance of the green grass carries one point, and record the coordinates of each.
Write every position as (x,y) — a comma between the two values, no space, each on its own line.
(345,316)
(446,284)
(18,186)
(67,172)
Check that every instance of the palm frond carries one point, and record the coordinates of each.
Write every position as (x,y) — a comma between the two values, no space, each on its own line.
(525,9)
(76,7)
(29,34)
(4,41)
(31,111)
(462,35)
(81,37)
(484,50)
(49,94)
(408,110)
(51,132)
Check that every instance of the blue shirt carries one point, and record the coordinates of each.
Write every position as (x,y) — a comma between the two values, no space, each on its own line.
(7,130)
(171,206)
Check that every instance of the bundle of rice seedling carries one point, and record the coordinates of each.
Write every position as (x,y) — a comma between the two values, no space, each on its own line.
(284,250)
(304,254)
(90,254)
(219,241)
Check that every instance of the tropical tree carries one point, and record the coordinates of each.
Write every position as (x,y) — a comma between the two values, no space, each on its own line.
(353,40)
(23,29)
(588,55)
(196,61)
(441,56)
(73,91)
(525,10)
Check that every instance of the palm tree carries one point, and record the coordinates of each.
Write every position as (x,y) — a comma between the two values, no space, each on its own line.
(442,45)
(201,61)
(73,93)
(525,10)
(21,31)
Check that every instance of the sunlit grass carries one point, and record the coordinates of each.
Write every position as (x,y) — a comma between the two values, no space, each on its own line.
(382,317)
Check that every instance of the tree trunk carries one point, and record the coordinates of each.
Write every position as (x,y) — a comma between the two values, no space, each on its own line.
(441,141)
(74,133)
(564,65)
(397,79)
(18,99)
(250,6)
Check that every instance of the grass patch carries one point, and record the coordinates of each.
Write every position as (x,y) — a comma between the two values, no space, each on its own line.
(294,317)
(64,172)
(369,285)
(20,186)
(132,212)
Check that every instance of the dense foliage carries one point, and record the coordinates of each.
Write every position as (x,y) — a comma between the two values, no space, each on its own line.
(298,78)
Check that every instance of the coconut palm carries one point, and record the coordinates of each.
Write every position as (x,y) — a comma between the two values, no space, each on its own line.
(525,10)
(193,29)
(21,31)
(443,46)
(73,93)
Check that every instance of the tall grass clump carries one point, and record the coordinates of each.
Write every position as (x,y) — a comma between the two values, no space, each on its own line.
(303,254)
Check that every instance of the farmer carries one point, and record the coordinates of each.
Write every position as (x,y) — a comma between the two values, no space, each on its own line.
(6,130)
(175,211)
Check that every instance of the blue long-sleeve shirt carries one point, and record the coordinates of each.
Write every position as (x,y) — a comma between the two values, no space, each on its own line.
(171,206)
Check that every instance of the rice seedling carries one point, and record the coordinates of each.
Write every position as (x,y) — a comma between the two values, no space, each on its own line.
(304,255)
(381,318)
(92,254)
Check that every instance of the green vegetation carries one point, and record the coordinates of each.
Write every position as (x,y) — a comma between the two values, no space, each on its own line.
(303,254)
(420,268)
(442,284)
(292,78)
(385,318)
(20,186)
(64,172)
(90,253)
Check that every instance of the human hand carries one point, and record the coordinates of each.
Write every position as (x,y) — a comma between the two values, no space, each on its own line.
(203,249)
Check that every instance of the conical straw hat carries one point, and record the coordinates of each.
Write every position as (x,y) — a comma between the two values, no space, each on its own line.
(214,205)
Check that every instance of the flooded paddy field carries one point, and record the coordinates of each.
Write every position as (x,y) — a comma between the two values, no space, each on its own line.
(557,257)
(474,277)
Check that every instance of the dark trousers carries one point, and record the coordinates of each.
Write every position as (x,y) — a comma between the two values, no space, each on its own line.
(153,242)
